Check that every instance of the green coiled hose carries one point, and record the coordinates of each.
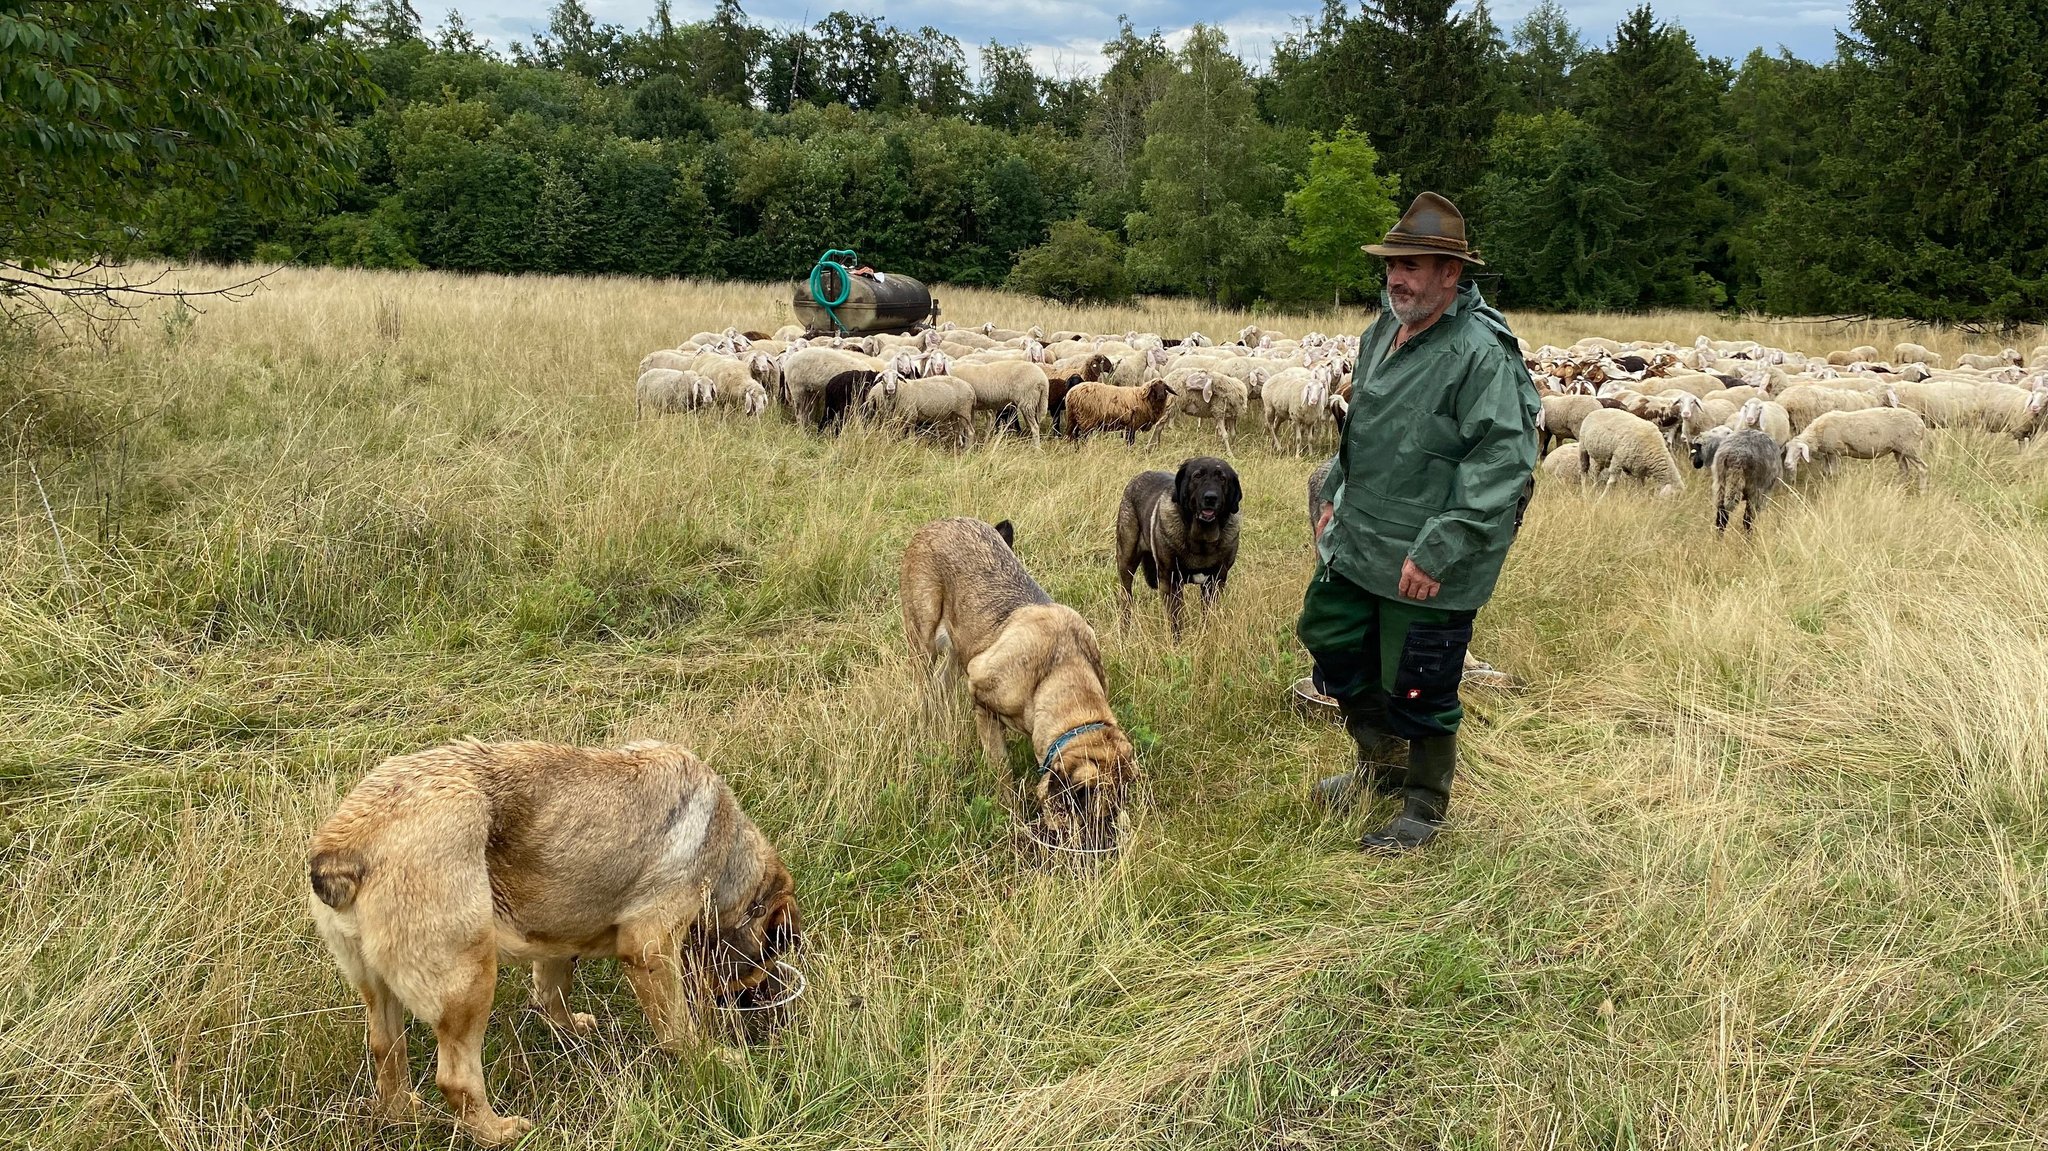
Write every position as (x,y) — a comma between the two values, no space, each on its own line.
(845,269)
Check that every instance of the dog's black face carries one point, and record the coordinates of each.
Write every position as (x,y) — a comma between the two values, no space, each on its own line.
(745,955)
(1206,490)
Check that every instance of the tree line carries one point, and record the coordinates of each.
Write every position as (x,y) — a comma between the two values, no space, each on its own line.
(1903,177)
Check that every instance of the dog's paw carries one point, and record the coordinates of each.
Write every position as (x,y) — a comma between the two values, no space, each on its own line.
(499,1130)
(584,1024)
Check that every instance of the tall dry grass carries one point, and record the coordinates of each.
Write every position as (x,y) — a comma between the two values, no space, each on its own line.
(1753,860)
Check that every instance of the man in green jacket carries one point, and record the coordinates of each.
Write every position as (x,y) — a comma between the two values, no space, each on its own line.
(1438,450)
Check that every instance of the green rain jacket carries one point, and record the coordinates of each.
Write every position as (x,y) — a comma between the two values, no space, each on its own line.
(1438,445)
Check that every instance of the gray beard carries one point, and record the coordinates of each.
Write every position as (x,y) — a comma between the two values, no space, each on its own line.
(1416,311)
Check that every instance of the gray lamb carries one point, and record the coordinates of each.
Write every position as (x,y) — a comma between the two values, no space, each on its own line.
(1746,466)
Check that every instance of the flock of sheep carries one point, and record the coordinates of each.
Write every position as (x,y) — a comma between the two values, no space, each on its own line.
(1755,414)
(1749,412)
(1061,382)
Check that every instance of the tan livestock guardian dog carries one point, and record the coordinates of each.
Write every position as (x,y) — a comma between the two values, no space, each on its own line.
(1032,666)
(441,862)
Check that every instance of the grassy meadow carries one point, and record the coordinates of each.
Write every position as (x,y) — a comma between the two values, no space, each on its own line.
(1754,859)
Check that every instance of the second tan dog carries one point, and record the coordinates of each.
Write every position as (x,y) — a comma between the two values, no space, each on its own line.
(441,862)
(1032,666)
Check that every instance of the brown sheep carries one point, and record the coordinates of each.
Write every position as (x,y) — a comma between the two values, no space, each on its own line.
(1100,407)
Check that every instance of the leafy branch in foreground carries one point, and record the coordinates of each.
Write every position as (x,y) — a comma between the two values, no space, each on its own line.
(104,106)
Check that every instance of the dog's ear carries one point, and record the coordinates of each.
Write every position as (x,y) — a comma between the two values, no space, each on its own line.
(1182,497)
(1233,493)
(1008,531)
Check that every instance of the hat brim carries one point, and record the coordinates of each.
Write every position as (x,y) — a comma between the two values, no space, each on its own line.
(1389,251)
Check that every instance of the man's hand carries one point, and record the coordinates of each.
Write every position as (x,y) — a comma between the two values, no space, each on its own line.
(1415,583)
(1323,520)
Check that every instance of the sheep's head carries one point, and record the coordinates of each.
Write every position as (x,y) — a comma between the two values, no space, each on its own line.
(889,381)
(1248,334)
(1156,395)
(989,328)
(1197,340)
(1752,414)
(902,364)
(1798,452)
(1036,333)
(1200,384)
(931,340)
(762,367)
(1034,351)
(1156,359)
(757,400)
(935,364)
(2011,356)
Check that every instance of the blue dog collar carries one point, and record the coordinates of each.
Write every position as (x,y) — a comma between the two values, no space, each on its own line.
(1052,754)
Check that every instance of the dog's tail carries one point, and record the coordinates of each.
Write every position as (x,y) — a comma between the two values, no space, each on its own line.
(337,873)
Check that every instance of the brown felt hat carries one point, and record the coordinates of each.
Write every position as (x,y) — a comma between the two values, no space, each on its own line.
(1432,226)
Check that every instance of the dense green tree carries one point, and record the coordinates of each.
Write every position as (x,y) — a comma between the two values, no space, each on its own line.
(934,68)
(1008,96)
(1552,214)
(1423,80)
(1078,264)
(1209,220)
(1929,200)
(663,109)
(726,70)
(1655,107)
(1547,50)
(1139,68)
(1344,202)
(106,108)
(575,42)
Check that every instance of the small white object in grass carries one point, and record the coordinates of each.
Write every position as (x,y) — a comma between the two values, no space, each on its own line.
(802,985)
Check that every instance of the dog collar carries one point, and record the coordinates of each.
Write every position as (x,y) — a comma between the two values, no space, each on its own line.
(1052,754)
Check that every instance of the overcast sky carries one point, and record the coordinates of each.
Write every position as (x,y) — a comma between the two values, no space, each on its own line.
(1067,35)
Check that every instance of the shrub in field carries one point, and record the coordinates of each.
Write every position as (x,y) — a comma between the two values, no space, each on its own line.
(1079,264)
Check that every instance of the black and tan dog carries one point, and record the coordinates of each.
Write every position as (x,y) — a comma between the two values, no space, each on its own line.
(442,862)
(1032,666)
(1180,529)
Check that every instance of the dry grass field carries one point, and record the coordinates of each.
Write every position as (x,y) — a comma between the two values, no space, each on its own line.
(1755,858)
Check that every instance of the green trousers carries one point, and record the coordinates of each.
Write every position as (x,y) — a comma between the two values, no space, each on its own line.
(1393,664)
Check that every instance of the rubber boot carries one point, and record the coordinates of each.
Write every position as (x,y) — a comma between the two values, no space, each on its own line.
(1379,769)
(1425,801)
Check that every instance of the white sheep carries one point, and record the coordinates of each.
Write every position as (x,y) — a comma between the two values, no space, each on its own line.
(1299,397)
(931,401)
(667,358)
(1007,383)
(1766,416)
(1560,418)
(665,390)
(2007,358)
(1566,464)
(1938,403)
(1915,354)
(1614,444)
(1805,401)
(1200,394)
(806,371)
(1865,435)
(1712,412)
